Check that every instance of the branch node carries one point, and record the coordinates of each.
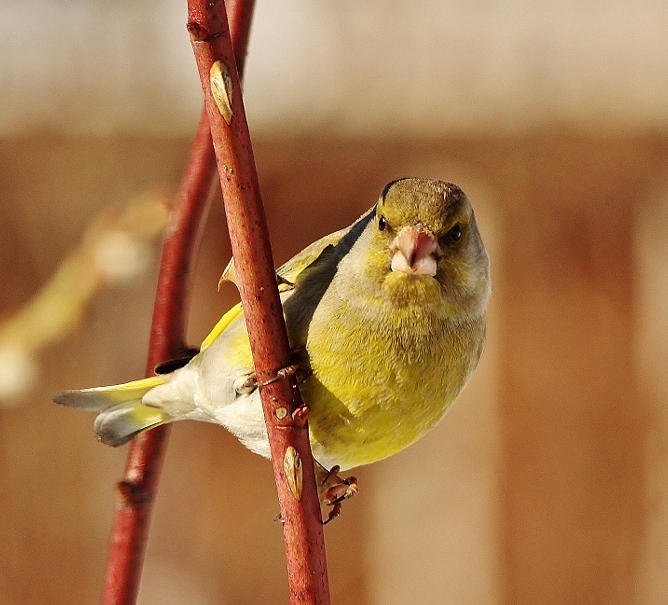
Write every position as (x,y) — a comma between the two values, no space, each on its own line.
(198,33)
(130,492)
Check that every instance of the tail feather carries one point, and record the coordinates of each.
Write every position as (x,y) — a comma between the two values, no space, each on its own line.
(99,399)
(122,415)
(120,423)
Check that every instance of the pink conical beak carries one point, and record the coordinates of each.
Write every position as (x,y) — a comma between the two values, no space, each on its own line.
(415,252)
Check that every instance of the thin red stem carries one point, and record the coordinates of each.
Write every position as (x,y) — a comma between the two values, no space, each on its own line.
(249,236)
(136,491)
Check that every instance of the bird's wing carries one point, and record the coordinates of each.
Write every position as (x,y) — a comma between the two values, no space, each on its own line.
(286,274)
(324,251)
(291,270)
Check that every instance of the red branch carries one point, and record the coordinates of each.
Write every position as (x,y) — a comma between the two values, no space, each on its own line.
(284,412)
(136,491)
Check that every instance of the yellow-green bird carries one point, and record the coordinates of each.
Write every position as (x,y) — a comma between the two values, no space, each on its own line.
(386,320)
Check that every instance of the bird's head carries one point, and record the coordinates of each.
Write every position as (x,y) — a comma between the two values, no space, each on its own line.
(428,231)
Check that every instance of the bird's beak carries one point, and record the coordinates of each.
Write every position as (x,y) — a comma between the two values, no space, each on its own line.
(415,251)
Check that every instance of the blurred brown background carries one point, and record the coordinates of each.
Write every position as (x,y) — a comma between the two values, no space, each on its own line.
(547,483)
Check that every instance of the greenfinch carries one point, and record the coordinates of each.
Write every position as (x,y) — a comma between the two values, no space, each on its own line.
(386,323)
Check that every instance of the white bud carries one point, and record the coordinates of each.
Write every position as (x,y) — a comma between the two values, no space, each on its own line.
(18,374)
(119,257)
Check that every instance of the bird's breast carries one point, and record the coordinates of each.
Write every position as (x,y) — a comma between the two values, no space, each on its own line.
(384,372)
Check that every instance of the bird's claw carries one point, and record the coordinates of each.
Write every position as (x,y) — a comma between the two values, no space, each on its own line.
(342,491)
(334,490)
(246,384)
(281,374)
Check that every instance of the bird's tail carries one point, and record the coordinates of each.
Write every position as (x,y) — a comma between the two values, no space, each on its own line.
(122,415)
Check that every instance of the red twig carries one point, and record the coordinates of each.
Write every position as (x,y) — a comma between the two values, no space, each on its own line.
(136,491)
(284,412)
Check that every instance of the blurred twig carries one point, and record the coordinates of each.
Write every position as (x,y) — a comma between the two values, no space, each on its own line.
(137,489)
(116,248)
(285,415)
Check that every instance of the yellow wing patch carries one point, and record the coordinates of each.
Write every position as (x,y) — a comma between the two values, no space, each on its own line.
(234,313)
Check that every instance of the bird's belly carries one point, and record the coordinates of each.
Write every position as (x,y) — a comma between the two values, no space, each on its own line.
(358,419)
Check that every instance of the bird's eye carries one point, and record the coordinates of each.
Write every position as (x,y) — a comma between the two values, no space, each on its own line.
(382,223)
(455,233)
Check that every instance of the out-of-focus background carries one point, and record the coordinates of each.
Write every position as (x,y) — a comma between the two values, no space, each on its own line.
(548,481)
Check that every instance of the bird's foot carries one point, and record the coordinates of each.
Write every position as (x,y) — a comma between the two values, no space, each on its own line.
(333,490)
(246,384)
